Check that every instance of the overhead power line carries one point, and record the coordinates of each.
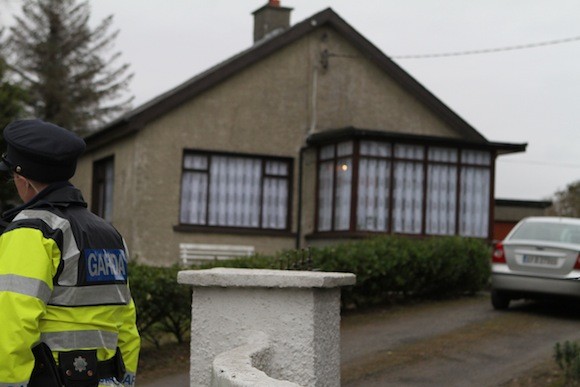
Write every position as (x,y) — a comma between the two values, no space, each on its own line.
(488,50)
(542,163)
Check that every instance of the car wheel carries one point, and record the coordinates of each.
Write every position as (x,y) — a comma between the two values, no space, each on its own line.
(500,300)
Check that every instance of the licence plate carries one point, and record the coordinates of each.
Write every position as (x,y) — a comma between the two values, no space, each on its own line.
(540,260)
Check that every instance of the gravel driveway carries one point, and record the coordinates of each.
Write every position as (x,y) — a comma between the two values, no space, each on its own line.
(453,343)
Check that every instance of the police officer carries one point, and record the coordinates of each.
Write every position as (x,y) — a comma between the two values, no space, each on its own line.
(66,312)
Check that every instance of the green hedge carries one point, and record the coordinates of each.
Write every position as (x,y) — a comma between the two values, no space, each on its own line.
(388,269)
(391,268)
(163,307)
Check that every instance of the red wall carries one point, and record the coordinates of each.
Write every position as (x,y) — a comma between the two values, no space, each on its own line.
(501,229)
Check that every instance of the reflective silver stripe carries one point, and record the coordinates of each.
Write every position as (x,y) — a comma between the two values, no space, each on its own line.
(90,295)
(126,249)
(15,384)
(67,340)
(24,285)
(70,251)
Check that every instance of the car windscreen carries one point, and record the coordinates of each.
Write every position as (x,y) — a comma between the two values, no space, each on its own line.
(549,232)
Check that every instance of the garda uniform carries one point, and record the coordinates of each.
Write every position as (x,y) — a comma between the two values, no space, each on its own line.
(66,313)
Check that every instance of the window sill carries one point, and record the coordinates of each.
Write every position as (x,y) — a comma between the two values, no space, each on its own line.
(373,234)
(186,228)
(344,234)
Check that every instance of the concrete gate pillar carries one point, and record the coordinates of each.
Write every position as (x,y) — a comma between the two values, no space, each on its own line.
(297,312)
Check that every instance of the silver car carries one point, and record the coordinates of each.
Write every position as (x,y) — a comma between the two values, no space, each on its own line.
(540,256)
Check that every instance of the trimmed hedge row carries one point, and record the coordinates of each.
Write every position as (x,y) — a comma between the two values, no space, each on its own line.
(391,268)
(163,306)
(388,269)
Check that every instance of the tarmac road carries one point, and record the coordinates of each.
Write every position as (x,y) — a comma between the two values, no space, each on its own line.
(454,343)
(449,343)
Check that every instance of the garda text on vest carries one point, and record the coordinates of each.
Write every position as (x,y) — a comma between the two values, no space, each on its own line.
(105,265)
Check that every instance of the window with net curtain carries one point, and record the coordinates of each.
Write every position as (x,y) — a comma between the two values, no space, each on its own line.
(403,188)
(235,191)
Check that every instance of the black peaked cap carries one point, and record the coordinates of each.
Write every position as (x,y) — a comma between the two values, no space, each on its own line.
(41,151)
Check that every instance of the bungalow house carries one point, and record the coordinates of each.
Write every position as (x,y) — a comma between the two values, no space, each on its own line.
(309,137)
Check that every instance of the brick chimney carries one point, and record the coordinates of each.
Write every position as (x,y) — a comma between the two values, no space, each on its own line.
(269,18)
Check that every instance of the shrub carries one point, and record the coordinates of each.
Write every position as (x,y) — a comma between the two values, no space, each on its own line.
(162,305)
(567,357)
(390,268)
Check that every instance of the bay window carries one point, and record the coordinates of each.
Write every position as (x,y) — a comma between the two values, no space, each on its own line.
(408,189)
(222,190)
(403,188)
(374,186)
(475,191)
(441,191)
(335,184)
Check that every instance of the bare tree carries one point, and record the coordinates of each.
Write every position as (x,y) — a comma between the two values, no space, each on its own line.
(567,201)
(62,63)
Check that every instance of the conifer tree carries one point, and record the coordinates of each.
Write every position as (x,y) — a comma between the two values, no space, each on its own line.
(66,66)
(12,100)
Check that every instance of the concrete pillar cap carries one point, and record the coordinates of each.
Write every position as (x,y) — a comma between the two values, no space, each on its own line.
(228,277)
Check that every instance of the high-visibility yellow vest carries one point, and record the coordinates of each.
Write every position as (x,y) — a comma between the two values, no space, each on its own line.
(63,281)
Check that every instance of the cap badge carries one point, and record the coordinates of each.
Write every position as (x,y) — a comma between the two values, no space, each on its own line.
(80,364)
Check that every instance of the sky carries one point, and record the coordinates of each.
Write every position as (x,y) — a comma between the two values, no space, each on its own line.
(527,95)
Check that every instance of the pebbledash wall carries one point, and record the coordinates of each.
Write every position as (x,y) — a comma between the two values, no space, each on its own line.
(265,328)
